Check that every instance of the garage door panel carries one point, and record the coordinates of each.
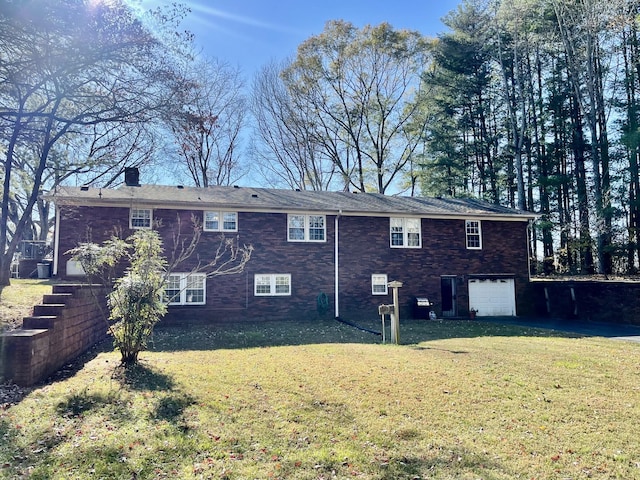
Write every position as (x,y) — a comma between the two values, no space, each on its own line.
(492,297)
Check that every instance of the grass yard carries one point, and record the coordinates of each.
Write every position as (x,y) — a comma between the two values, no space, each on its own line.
(18,299)
(460,400)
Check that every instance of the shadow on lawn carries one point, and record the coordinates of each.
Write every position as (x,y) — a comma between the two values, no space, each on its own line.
(456,462)
(141,377)
(276,333)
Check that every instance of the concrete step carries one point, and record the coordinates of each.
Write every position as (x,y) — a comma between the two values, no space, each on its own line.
(53,309)
(38,322)
(72,287)
(66,287)
(56,298)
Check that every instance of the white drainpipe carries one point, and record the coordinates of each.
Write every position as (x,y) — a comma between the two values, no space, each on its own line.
(56,242)
(336,266)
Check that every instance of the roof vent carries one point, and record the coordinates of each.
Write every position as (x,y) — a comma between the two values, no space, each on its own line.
(236,186)
(180,187)
(131,177)
(84,188)
(254,195)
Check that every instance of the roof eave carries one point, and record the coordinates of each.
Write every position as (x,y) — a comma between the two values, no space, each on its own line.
(203,204)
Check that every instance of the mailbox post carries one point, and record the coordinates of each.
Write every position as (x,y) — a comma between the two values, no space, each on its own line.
(382,311)
(395,314)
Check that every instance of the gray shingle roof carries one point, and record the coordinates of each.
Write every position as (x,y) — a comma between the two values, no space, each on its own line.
(274,200)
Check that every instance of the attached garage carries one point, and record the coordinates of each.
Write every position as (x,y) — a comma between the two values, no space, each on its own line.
(492,297)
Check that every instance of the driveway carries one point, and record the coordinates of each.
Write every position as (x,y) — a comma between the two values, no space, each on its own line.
(616,331)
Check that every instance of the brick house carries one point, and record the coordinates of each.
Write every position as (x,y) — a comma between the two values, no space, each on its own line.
(461,254)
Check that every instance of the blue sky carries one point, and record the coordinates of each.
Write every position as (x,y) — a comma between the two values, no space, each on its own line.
(250,33)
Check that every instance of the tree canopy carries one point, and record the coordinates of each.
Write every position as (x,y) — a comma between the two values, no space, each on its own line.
(80,84)
(353,91)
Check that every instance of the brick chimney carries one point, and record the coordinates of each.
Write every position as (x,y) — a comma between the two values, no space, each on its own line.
(131,177)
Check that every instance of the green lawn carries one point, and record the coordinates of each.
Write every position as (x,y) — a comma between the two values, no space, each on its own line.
(459,400)
(18,299)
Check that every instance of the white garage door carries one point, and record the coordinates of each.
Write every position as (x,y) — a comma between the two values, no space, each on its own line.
(492,297)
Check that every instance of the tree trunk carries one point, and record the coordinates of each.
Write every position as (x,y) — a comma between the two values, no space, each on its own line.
(5,270)
(585,242)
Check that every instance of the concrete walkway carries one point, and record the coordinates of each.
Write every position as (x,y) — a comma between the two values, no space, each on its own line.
(593,329)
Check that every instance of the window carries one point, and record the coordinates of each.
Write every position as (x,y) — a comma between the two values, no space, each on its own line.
(306,228)
(74,268)
(379,284)
(272,285)
(405,232)
(140,218)
(185,289)
(474,235)
(220,222)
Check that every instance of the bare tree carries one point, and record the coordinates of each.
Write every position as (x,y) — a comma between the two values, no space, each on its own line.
(207,129)
(287,150)
(359,86)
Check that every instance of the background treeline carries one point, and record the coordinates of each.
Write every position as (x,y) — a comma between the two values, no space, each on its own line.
(534,104)
(531,104)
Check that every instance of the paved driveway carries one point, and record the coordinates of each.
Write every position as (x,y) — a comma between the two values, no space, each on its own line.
(582,327)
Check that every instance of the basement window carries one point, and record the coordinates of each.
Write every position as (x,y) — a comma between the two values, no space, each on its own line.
(379,284)
(273,284)
(185,289)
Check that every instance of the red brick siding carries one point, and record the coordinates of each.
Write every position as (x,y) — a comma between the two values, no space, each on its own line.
(443,252)
(364,250)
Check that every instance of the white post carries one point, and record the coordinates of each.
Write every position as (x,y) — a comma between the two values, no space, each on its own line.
(336,273)
(395,315)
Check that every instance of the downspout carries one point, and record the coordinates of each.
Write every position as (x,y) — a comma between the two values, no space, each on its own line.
(529,249)
(336,283)
(56,242)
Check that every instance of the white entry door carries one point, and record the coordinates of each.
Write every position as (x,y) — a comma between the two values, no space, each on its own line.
(493,297)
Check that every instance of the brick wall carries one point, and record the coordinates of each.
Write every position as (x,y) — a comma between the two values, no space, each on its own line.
(68,322)
(443,253)
(364,250)
(601,301)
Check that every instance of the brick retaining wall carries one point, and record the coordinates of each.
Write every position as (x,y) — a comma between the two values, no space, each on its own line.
(67,323)
(598,301)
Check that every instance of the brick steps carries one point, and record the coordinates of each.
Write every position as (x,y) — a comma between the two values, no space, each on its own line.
(39,322)
(65,324)
(48,310)
(59,298)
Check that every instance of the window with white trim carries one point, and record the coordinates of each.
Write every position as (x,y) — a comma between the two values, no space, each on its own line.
(405,232)
(186,289)
(474,234)
(140,218)
(220,221)
(379,284)
(272,284)
(306,228)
